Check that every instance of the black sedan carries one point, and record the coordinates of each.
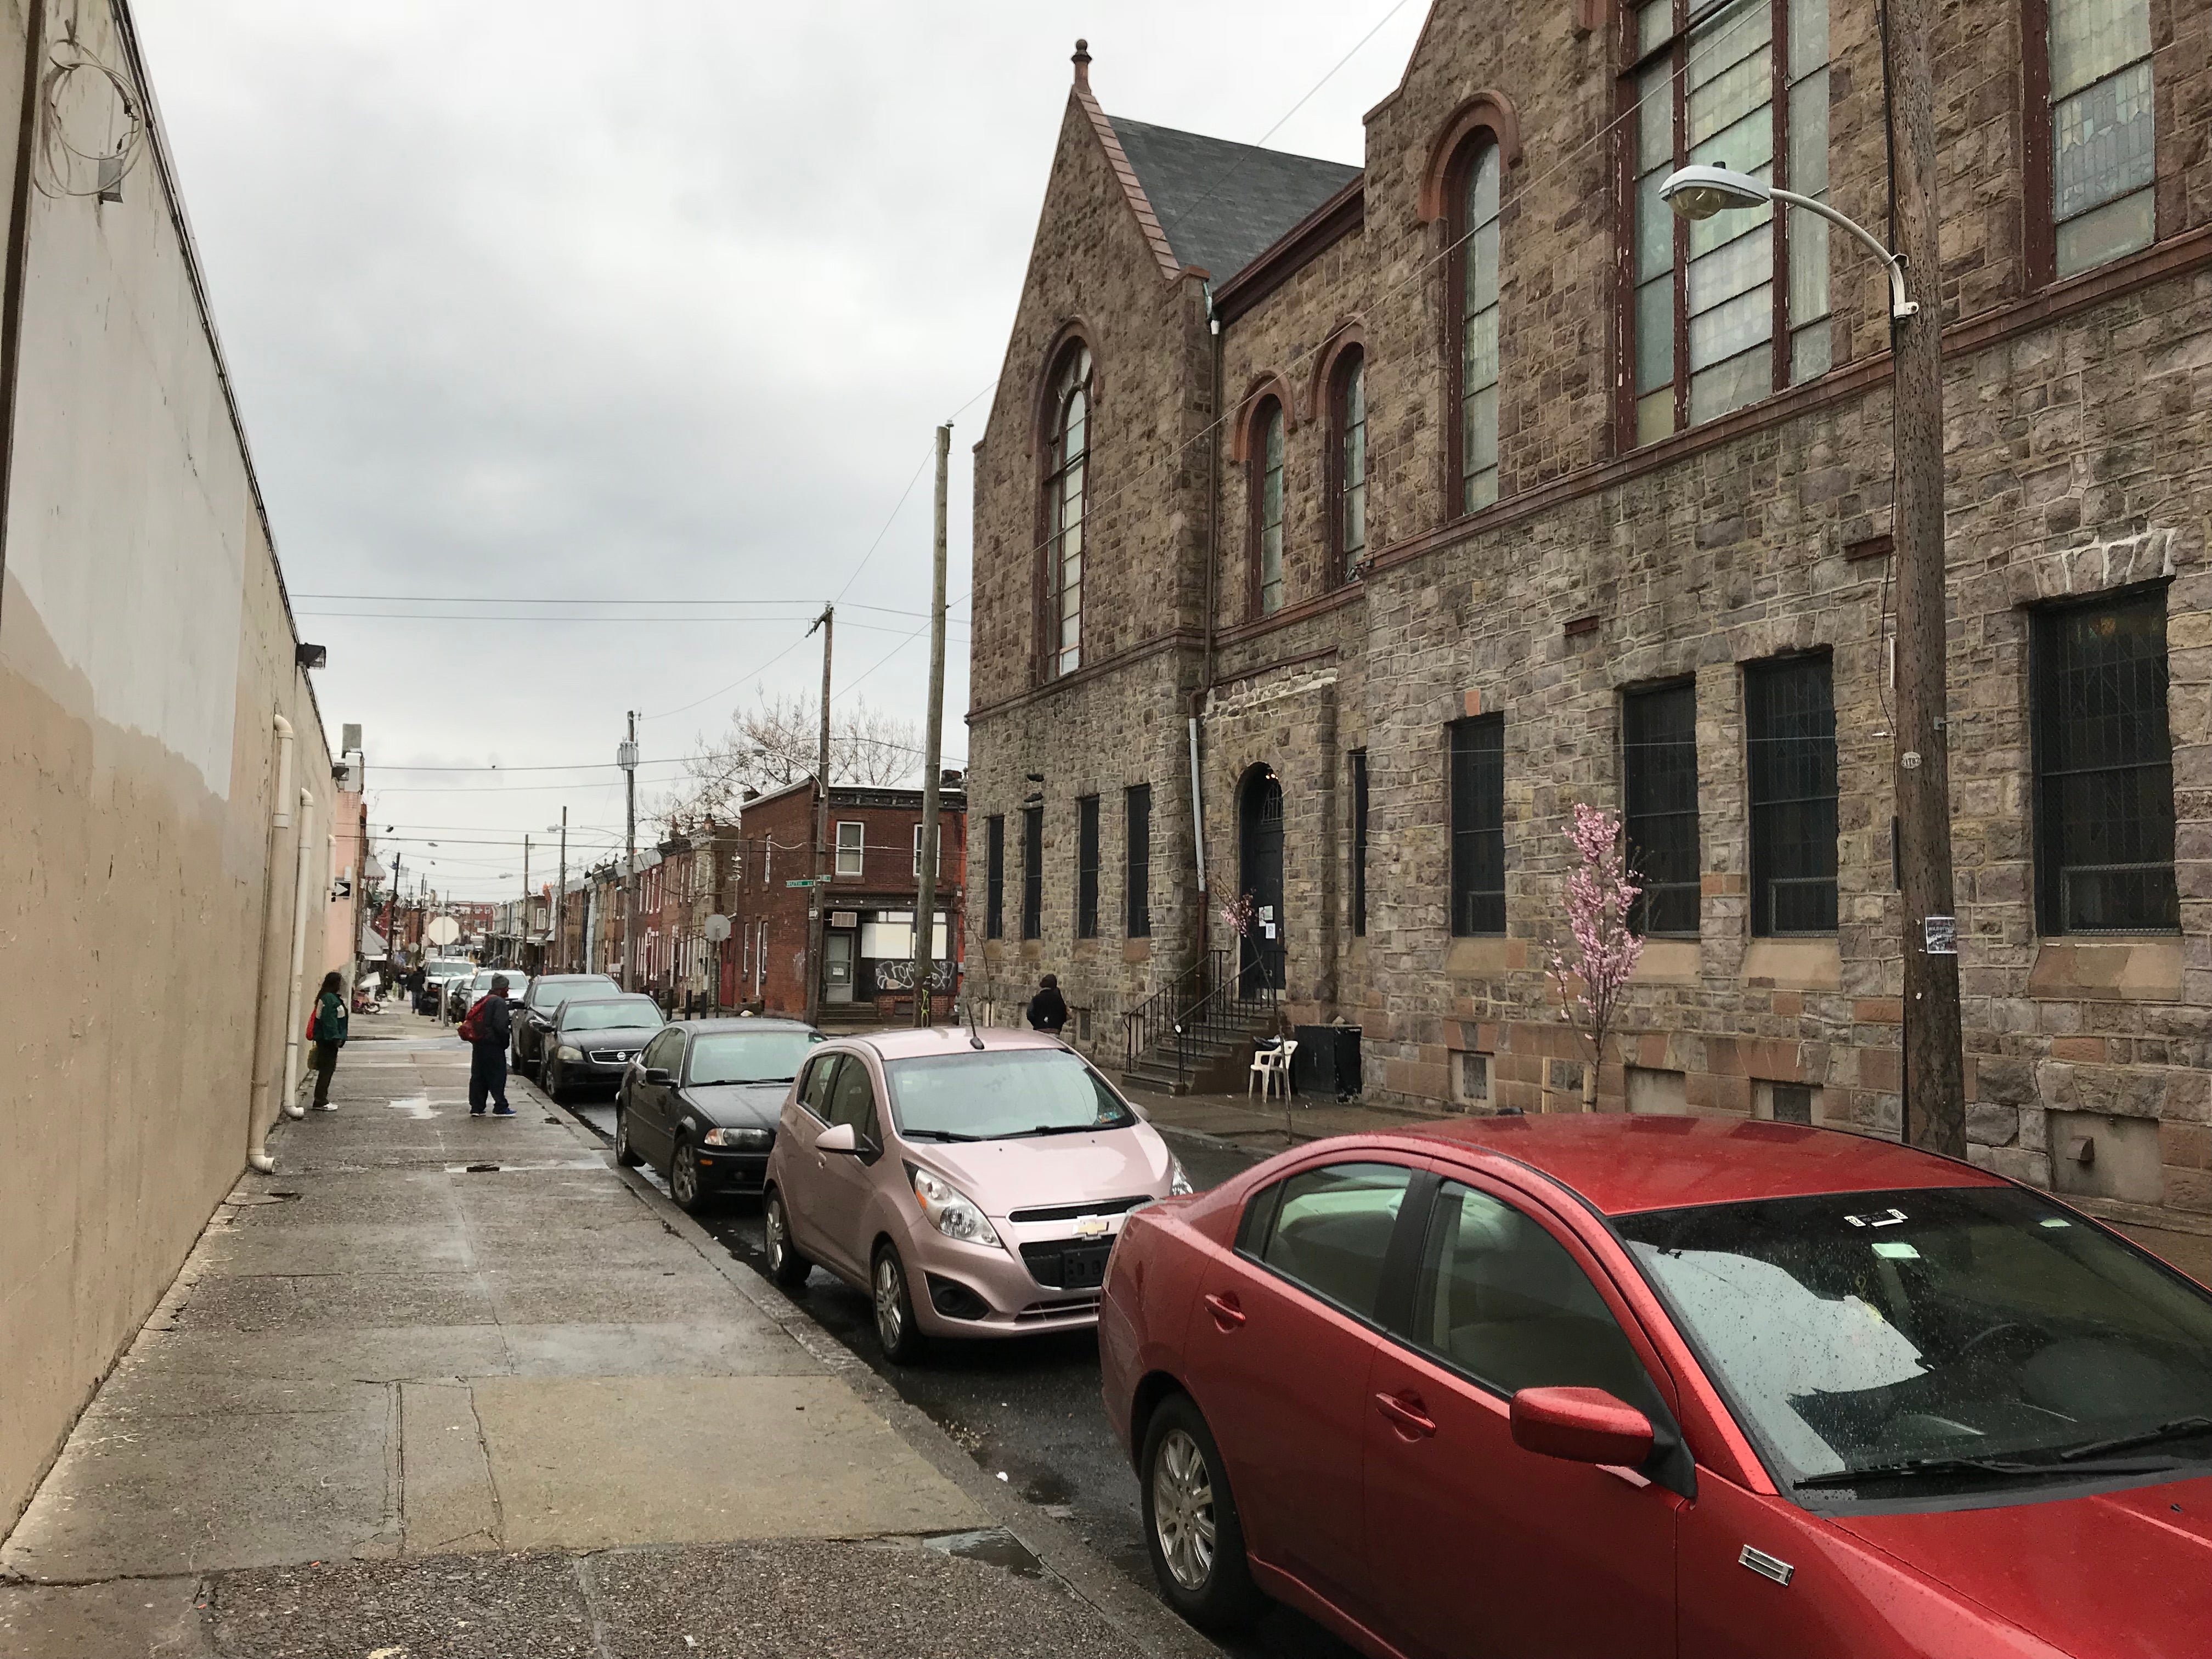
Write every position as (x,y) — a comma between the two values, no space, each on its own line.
(533,1021)
(700,1104)
(592,1043)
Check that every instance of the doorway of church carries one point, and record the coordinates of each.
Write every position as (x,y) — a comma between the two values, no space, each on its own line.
(1261,959)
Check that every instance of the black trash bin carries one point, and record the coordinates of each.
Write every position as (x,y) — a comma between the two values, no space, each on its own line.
(1326,1064)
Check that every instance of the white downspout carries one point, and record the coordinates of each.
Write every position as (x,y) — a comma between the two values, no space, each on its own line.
(280,819)
(292,1107)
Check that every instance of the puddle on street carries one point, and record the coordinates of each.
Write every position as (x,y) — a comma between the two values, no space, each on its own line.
(993,1546)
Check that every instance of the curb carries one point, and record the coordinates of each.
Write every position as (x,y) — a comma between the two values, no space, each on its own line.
(1150,1626)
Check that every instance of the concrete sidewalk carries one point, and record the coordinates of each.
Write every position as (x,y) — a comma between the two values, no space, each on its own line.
(453,1386)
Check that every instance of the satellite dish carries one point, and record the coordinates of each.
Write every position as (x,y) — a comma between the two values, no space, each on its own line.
(718,928)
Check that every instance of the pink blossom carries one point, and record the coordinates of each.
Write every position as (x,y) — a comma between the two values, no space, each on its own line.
(1592,978)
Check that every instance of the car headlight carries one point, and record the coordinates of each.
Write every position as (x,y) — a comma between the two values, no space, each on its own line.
(951,1211)
(752,1140)
(565,1052)
(1178,1182)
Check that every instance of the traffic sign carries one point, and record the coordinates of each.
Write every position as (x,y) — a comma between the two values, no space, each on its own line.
(801,881)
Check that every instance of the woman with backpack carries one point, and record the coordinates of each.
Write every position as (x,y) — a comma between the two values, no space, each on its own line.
(326,1029)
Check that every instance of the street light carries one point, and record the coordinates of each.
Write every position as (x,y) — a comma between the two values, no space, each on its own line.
(1935,1082)
(1699,192)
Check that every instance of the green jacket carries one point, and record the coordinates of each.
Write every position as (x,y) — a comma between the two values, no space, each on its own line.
(329,1017)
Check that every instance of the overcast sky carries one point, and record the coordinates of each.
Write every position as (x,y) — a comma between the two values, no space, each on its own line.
(528,302)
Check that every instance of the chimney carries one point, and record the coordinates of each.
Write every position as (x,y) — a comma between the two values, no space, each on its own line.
(1082,61)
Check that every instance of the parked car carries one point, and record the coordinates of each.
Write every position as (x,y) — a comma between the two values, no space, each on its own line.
(593,1040)
(437,974)
(479,987)
(1640,1386)
(533,1023)
(700,1103)
(972,1184)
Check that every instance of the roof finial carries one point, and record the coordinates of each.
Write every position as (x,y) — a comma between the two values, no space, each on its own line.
(1082,61)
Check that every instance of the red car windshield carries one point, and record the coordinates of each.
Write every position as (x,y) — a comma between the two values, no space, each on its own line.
(1895,1344)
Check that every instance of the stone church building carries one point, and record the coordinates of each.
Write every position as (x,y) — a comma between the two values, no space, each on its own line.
(1338,530)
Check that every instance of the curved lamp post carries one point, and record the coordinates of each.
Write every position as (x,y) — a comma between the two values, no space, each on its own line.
(1699,192)
(1933,1068)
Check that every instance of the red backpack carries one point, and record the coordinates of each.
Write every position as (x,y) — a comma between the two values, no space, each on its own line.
(467,1028)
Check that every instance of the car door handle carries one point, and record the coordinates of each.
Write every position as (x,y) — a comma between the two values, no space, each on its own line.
(1226,1314)
(1406,1414)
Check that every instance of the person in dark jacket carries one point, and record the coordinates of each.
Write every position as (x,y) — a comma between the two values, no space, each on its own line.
(330,1033)
(488,1039)
(1048,1008)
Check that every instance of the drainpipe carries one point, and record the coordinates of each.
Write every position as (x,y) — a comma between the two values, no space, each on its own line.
(292,1107)
(280,819)
(1206,622)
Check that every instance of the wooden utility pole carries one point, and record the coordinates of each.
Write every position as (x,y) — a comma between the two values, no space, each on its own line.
(560,902)
(817,920)
(1935,1078)
(932,742)
(627,755)
(522,929)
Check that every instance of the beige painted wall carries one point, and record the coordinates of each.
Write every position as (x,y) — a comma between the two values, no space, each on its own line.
(145,644)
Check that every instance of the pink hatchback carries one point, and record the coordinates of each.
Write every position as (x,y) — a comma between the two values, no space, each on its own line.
(972,1182)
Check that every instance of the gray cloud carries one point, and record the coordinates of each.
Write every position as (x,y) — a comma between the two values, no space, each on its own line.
(537,299)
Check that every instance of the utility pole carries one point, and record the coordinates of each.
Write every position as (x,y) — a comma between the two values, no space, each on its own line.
(932,743)
(626,757)
(560,902)
(1935,1080)
(816,920)
(522,931)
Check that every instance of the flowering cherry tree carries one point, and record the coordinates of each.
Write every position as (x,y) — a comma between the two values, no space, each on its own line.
(1592,978)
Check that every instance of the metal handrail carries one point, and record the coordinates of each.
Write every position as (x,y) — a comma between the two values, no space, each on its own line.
(1223,1014)
(1151,1020)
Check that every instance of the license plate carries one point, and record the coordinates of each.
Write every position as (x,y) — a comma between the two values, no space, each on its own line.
(1083,1267)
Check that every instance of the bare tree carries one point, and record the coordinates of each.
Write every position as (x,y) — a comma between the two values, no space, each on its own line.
(773,743)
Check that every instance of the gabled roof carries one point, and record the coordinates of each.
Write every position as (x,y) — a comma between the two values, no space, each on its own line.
(1222,204)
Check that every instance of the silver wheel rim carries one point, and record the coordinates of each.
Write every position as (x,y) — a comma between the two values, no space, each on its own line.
(1183,1510)
(891,1315)
(775,1244)
(685,1179)
(622,1135)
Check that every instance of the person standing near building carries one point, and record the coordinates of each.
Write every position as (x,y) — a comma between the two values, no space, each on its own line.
(326,1027)
(1048,1008)
(486,1027)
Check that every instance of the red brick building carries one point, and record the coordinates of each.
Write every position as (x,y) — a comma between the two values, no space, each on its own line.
(873,860)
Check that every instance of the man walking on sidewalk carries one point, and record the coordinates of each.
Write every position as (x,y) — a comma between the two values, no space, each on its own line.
(487,1026)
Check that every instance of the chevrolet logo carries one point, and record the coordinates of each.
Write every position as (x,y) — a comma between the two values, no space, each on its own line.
(1090,1226)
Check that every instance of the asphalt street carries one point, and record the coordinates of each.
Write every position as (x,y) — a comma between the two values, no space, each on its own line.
(1027,1411)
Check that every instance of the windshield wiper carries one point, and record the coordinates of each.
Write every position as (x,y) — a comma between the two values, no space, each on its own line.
(936,1134)
(2004,1467)
(2179,1429)
(737,1082)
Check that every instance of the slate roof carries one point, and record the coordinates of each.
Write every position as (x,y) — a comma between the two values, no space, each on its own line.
(1222,204)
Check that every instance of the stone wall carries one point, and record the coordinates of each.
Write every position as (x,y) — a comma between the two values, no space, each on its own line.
(2079,418)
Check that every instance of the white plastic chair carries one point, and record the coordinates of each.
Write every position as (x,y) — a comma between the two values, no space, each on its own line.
(1270,1066)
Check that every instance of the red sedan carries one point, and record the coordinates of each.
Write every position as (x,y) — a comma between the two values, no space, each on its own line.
(1615,1387)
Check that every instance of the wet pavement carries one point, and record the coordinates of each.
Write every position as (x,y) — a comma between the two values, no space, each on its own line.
(1028,1412)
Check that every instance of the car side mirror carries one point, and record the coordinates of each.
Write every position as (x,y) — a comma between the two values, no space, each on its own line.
(660,1076)
(1582,1426)
(839,1138)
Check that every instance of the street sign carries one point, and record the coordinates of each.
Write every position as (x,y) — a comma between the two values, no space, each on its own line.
(800,881)
(718,928)
(442,931)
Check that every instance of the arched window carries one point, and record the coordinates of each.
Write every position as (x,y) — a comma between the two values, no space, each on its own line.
(1475,305)
(1348,424)
(1063,510)
(1266,469)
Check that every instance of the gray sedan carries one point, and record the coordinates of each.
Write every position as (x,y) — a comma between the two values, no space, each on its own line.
(592,1042)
